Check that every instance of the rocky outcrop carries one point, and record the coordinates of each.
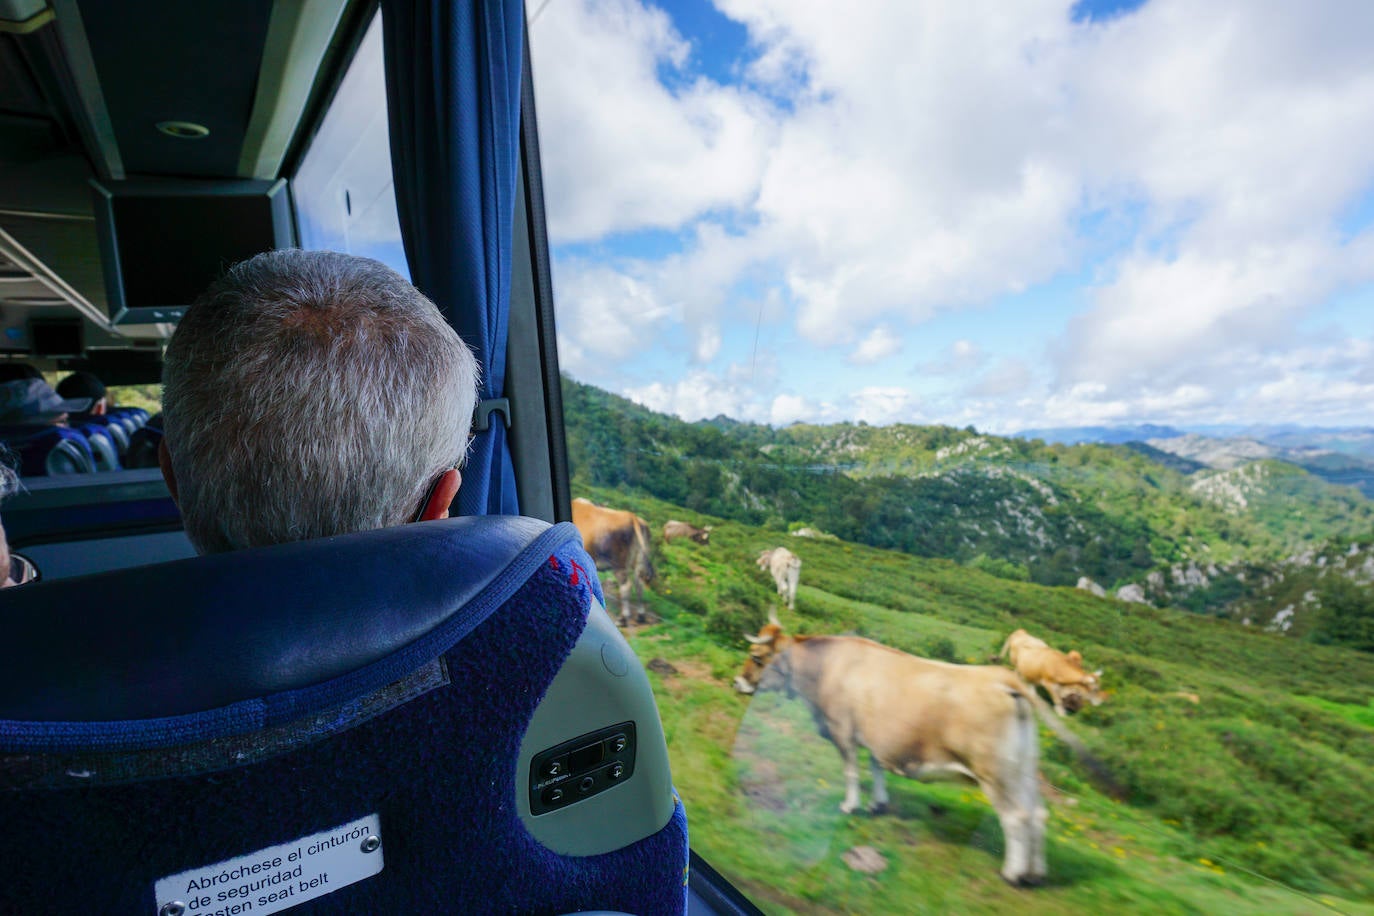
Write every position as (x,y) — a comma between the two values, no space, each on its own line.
(1133,593)
(1088,585)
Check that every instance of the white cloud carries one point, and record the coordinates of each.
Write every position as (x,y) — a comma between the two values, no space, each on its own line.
(620,150)
(879,405)
(876,347)
(1007,377)
(885,163)
(789,408)
(961,357)
(603,314)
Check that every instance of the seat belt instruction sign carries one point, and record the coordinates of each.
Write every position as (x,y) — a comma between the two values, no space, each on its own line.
(274,879)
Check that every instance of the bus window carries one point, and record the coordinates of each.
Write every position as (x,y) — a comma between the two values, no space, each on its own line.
(344,196)
(993,390)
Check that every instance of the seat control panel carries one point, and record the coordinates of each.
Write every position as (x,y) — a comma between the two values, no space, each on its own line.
(585,766)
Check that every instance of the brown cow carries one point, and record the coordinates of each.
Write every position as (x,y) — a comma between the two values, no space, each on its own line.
(619,541)
(1061,674)
(922,719)
(675,529)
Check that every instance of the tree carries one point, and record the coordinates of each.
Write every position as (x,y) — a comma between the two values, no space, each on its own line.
(1347,614)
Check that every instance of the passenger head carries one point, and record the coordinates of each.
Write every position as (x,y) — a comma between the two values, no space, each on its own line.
(32,401)
(9,485)
(85,385)
(312,393)
(13,372)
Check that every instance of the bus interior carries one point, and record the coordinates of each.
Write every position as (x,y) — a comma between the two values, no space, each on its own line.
(144,148)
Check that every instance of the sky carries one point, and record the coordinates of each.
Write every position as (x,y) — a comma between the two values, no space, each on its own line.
(1010,215)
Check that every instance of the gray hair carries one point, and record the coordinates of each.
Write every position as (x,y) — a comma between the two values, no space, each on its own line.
(311,393)
(9,477)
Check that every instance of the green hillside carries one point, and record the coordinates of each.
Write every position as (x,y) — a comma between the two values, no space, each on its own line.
(1041,512)
(1247,758)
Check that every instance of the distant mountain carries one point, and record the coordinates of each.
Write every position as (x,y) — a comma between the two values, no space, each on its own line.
(1105,435)
(1168,459)
(1057,512)
(1343,467)
(1211,452)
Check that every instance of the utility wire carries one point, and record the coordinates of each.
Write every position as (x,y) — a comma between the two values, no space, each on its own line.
(543,6)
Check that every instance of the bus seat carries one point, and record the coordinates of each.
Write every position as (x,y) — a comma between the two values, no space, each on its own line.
(137,417)
(102,443)
(124,421)
(118,432)
(143,445)
(436,717)
(46,451)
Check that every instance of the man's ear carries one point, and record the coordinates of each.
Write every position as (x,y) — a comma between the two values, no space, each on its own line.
(441,496)
(164,461)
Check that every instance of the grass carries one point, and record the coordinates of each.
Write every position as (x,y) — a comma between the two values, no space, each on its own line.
(1257,798)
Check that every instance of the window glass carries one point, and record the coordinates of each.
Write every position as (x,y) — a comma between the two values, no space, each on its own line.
(344,196)
(1053,318)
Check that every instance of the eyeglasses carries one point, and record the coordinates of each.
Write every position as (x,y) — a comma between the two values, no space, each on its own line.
(22,571)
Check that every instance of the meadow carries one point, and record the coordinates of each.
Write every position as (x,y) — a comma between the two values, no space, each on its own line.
(1247,758)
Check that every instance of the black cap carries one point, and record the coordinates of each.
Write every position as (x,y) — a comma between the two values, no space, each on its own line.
(81,385)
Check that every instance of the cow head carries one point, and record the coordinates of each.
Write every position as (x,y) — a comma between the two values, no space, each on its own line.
(702,535)
(764,667)
(1089,690)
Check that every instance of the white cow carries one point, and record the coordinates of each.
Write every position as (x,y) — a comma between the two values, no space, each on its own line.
(785,568)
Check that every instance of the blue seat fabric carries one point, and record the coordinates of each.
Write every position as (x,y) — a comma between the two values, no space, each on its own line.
(103,448)
(437,769)
(142,452)
(116,430)
(49,450)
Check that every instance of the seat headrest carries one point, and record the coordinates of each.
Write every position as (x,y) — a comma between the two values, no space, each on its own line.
(202,633)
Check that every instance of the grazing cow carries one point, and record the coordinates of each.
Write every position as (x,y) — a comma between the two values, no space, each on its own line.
(785,568)
(922,719)
(619,541)
(675,529)
(1061,674)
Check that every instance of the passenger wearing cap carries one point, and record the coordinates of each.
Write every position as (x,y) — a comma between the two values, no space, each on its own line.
(86,385)
(32,402)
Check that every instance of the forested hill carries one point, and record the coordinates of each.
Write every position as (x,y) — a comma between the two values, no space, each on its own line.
(1043,511)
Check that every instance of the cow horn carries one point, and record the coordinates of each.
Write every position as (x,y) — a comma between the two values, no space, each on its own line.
(757,640)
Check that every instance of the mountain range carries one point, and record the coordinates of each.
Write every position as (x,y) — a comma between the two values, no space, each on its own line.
(1208,524)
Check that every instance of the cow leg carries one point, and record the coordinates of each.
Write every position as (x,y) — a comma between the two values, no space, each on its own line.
(1015,793)
(623,583)
(640,613)
(1015,820)
(1055,694)
(851,778)
(1039,817)
(879,802)
(1032,803)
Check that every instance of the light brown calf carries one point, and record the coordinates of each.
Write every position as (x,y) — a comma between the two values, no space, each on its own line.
(1061,674)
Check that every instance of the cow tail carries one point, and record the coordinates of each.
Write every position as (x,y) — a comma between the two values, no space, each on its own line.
(1097,770)
(1006,644)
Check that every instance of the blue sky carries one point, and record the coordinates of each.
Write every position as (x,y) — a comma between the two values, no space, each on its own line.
(1044,213)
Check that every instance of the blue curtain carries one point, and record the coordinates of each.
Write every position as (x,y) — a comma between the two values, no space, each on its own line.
(453,97)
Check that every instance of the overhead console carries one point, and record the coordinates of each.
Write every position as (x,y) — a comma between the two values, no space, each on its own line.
(162,241)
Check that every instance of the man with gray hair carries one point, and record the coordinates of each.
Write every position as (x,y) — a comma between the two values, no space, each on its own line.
(312,393)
